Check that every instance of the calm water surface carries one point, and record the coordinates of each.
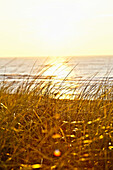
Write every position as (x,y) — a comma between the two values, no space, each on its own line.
(73,69)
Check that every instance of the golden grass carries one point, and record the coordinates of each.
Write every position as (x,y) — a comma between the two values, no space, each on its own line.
(34,126)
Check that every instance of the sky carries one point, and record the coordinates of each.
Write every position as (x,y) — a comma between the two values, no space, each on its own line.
(56,27)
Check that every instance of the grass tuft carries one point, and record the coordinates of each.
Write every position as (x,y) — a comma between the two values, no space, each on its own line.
(38,130)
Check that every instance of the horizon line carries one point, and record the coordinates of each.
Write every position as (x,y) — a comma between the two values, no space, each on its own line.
(59,56)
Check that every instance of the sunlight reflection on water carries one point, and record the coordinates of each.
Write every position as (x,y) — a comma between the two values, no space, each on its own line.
(67,76)
(62,75)
(58,69)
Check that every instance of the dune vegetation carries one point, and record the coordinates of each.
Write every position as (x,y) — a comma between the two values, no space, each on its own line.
(38,130)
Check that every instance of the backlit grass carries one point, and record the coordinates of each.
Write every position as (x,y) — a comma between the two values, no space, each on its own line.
(34,125)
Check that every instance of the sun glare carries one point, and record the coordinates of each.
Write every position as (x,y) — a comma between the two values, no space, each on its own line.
(58,69)
(56,28)
(61,72)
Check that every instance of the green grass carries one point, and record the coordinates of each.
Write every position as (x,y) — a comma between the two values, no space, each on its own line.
(30,118)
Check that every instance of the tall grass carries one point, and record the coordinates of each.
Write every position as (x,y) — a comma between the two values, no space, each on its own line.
(34,122)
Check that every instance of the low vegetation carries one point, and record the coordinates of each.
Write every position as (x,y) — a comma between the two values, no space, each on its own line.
(38,130)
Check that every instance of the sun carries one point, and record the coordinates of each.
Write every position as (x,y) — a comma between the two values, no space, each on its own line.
(57,25)
(54,32)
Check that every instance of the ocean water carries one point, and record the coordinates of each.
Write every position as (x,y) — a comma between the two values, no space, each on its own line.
(73,70)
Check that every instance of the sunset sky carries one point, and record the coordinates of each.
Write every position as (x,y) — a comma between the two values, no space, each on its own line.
(56,27)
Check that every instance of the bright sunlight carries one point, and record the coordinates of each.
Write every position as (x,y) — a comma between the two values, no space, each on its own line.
(58,69)
(56,27)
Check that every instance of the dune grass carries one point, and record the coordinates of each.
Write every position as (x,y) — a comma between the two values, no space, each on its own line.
(33,124)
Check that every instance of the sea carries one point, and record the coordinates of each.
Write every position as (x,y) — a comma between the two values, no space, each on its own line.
(71,71)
